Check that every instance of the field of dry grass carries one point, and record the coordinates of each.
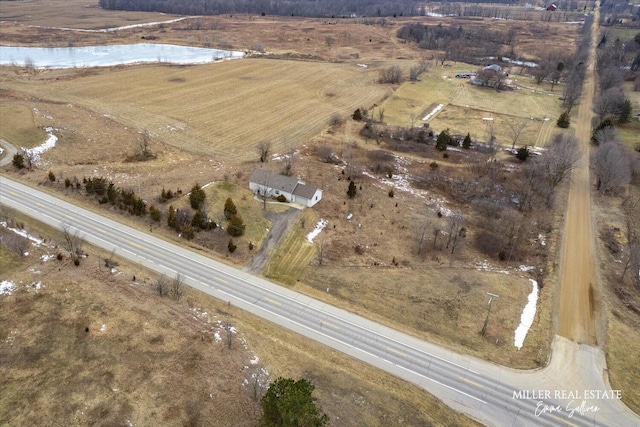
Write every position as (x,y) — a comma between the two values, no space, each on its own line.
(17,125)
(465,105)
(221,110)
(82,346)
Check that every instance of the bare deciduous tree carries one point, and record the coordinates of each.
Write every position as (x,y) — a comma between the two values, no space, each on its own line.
(391,75)
(73,242)
(556,164)
(611,165)
(257,379)
(111,262)
(263,148)
(516,127)
(15,243)
(162,285)
(177,287)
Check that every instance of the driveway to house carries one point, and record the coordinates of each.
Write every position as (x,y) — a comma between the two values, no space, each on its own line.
(281,221)
(8,152)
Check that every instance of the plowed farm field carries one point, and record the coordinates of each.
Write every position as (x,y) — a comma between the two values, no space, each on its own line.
(222,109)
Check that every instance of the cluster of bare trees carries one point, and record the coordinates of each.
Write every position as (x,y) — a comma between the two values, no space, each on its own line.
(611,164)
(616,62)
(173,288)
(317,9)
(463,8)
(457,43)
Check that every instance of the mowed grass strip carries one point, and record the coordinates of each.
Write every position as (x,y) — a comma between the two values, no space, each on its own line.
(226,108)
(18,126)
(294,252)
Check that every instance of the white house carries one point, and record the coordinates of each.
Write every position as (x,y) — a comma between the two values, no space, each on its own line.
(265,183)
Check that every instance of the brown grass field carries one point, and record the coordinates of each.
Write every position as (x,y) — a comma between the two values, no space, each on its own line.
(150,360)
(205,122)
(220,110)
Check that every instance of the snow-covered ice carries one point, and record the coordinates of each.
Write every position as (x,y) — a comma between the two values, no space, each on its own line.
(528,314)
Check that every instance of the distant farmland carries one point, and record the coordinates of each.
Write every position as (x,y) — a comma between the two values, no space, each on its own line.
(221,109)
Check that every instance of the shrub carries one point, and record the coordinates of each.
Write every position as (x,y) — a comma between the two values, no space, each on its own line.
(522,154)
(357,115)
(390,193)
(67,183)
(52,176)
(281,198)
(18,161)
(352,191)
(433,165)
(231,246)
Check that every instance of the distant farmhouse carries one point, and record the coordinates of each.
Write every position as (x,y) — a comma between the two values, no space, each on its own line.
(265,183)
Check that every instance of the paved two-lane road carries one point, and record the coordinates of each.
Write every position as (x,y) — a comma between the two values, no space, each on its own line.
(480,389)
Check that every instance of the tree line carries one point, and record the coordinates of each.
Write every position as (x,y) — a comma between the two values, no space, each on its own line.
(316,9)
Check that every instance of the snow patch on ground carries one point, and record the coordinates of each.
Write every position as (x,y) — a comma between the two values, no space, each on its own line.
(433,112)
(526,268)
(47,257)
(528,314)
(400,181)
(7,287)
(47,145)
(103,328)
(317,229)
(23,233)
(254,360)
(542,240)
(485,266)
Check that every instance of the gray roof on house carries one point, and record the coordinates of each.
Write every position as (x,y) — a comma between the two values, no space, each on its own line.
(304,190)
(282,183)
(274,180)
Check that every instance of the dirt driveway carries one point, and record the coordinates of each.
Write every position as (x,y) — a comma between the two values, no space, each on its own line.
(281,222)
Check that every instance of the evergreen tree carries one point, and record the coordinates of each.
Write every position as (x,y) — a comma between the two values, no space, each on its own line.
(625,112)
(236,226)
(229,208)
(196,197)
(357,115)
(231,246)
(564,120)
(351,192)
(443,140)
(466,143)
(606,122)
(290,403)
(523,153)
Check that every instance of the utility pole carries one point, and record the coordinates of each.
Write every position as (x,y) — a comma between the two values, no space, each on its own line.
(486,321)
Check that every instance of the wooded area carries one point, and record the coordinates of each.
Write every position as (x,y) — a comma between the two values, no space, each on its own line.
(326,8)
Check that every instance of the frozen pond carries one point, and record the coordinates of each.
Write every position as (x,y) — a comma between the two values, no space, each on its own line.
(110,55)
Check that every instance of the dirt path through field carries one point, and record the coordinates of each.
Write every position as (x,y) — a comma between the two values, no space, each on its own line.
(576,317)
